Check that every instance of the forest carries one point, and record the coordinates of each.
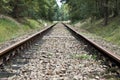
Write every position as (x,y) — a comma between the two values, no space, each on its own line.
(94,9)
(73,10)
(20,17)
(100,13)
(36,9)
(99,17)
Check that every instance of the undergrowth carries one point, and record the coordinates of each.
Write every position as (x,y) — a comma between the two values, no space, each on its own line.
(11,29)
(111,32)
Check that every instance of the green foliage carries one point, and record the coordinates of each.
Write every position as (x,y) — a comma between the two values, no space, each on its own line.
(4,6)
(12,29)
(80,9)
(65,12)
(81,56)
(111,32)
(24,11)
(28,8)
(46,9)
(61,13)
(94,9)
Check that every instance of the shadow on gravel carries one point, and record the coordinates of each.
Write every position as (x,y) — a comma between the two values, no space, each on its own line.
(19,60)
(109,65)
(6,74)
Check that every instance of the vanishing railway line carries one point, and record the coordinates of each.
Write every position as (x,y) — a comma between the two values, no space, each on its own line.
(58,53)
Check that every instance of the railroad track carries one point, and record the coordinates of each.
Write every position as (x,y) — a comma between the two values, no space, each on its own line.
(59,47)
(112,56)
(12,50)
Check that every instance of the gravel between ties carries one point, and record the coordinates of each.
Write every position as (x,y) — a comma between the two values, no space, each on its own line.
(58,56)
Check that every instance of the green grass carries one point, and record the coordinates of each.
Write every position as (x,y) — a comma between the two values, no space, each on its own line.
(111,32)
(11,29)
(83,56)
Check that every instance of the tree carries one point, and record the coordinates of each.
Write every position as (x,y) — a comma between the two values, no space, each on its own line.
(28,8)
(5,7)
(94,9)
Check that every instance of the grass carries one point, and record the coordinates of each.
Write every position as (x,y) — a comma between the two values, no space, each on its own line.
(11,29)
(83,56)
(111,32)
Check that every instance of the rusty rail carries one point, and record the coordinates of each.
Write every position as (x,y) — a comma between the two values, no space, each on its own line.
(109,54)
(8,52)
(14,49)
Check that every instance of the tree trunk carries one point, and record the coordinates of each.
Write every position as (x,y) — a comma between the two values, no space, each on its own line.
(105,12)
(15,12)
(115,10)
(101,8)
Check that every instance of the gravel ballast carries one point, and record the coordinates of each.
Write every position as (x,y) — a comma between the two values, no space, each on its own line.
(99,40)
(57,56)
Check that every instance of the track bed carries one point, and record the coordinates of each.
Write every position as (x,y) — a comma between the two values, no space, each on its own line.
(58,55)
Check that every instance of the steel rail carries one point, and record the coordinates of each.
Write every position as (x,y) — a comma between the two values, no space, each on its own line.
(31,38)
(114,57)
(15,46)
